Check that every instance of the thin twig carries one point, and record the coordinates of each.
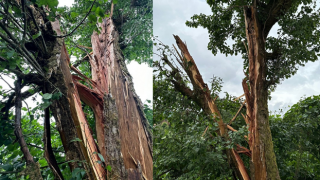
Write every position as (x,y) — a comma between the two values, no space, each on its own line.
(236,114)
(6,82)
(78,24)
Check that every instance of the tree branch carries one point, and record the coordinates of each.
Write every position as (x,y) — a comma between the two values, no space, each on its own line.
(78,24)
(275,9)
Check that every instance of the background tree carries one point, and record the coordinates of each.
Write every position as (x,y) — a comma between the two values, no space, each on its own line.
(38,56)
(296,139)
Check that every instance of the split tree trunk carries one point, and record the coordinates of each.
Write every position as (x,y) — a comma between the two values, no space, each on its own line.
(201,95)
(122,132)
(123,137)
(125,131)
(263,158)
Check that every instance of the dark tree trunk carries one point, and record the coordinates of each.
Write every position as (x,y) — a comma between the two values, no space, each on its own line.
(33,168)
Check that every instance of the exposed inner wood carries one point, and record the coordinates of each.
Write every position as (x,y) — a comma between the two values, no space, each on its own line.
(202,97)
(112,77)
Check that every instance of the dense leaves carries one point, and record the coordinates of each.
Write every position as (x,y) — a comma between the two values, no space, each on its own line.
(133,22)
(296,139)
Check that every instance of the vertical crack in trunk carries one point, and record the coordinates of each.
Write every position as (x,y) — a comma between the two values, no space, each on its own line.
(264,164)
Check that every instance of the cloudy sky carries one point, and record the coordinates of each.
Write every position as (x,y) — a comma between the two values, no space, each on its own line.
(170,17)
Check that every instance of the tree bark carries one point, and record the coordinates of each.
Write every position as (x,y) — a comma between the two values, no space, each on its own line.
(122,132)
(33,168)
(263,158)
(126,137)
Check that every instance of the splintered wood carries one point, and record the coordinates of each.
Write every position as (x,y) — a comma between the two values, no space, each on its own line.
(112,77)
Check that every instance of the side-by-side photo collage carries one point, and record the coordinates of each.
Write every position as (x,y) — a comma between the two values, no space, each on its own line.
(159,90)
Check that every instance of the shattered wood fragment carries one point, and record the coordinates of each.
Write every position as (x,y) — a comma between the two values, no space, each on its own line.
(71,122)
(201,96)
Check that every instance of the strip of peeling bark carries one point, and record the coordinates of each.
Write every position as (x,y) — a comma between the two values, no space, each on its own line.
(112,77)
(48,152)
(33,168)
(69,115)
(264,164)
(201,95)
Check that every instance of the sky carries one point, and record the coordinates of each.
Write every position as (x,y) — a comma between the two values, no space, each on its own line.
(169,18)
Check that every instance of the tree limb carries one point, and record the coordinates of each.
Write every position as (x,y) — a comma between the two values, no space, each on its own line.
(78,24)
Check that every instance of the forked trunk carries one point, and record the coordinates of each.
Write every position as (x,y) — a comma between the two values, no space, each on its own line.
(263,158)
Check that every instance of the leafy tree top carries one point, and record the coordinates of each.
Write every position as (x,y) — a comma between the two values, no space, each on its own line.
(296,42)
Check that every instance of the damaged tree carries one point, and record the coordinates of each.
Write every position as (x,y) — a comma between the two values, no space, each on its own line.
(268,60)
(201,95)
(123,147)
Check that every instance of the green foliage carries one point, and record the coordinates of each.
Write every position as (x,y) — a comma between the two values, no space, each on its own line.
(296,140)
(78,174)
(11,157)
(181,148)
(133,22)
(148,112)
(47,99)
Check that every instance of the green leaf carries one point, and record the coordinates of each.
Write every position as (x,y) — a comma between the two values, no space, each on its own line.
(99,12)
(74,14)
(101,157)
(24,109)
(56,96)
(36,35)
(109,168)
(47,96)
(92,18)
(52,4)
(10,54)
(76,139)
(31,91)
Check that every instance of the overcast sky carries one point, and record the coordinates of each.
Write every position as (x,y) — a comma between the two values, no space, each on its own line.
(169,18)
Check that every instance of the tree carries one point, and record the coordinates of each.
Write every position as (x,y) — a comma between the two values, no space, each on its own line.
(112,138)
(296,139)
(267,59)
